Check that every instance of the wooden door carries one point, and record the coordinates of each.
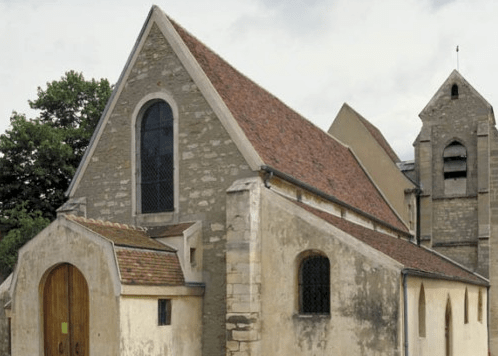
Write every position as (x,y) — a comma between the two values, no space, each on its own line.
(66,313)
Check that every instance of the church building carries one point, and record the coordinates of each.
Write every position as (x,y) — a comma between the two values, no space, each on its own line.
(209,218)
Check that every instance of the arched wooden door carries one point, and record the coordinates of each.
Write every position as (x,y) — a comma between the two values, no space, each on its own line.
(66,312)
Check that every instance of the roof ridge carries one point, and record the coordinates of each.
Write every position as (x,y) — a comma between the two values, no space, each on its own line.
(82,219)
(245,76)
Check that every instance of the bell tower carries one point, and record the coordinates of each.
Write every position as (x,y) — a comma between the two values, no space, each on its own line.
(452,166)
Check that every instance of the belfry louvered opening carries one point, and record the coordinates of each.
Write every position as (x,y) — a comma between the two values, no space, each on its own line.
(455,161)
(455,169)
(157,159)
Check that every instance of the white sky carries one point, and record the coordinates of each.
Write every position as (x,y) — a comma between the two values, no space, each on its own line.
(385,58)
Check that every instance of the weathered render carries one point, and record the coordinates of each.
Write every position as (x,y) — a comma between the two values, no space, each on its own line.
(379,160)
(276,238)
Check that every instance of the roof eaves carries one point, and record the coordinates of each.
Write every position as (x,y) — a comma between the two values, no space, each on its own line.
(332,199)
(480,281)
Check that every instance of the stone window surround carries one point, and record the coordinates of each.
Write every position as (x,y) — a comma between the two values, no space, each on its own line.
(136,118)
(304,255)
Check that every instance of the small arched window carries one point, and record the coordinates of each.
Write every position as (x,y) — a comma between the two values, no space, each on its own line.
(454,91)
(314,285)
(421,312)
(466,308)
(455,168)
(157,159)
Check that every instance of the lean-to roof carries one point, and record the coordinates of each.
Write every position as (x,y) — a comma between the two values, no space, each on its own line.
(415,259)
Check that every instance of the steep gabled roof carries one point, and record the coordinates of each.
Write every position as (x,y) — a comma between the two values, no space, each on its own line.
(454,77)
(287,141)
(266,131)
(414,258)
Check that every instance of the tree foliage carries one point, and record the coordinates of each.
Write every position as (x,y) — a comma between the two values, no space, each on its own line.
(38,157)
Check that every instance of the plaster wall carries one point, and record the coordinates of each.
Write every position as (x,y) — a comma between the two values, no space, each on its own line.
(467,339)
(142,336)
(348,128)
(65,242)
(269,236)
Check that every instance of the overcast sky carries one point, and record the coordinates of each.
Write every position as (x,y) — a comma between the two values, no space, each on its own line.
(385,58)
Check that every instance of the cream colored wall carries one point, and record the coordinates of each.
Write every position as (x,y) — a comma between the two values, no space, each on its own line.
(267,236)
(141,334)
(468,339)
(348,129)
(365,292)
(65,242)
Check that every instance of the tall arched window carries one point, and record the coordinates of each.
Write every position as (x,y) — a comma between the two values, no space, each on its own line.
(421,312)
(314,285)
(448,330)
(455,168)
(157,159)
(479,306)
(466,308)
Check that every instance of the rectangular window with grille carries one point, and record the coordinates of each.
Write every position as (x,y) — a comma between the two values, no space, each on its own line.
(164,312)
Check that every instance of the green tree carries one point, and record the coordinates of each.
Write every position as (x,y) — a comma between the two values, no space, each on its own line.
(38,157)
(30,224)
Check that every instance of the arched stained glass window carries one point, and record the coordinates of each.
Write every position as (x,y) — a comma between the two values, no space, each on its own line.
(157,159)
(314,285)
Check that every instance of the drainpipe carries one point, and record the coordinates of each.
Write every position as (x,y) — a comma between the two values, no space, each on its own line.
(405,310)
(417,225)
(487,319)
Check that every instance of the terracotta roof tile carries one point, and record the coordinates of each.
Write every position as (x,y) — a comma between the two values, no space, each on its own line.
(145,267)
(286,141)
(120,234)
(408,254)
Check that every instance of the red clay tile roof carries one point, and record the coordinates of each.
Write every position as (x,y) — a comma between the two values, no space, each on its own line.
(120,234)
(168,231)
(286,141)
(408,254)
(145,267)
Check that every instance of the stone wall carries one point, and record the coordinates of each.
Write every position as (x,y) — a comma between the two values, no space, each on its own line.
(455,221)
(208,161)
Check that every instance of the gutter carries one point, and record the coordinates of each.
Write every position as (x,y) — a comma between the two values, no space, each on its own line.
(274,172)
(405,309)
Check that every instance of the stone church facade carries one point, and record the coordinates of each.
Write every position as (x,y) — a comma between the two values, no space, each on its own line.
(208,218)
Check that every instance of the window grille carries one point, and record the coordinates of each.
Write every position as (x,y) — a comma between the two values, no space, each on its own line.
(157,159)
(164,312)
(314,285)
